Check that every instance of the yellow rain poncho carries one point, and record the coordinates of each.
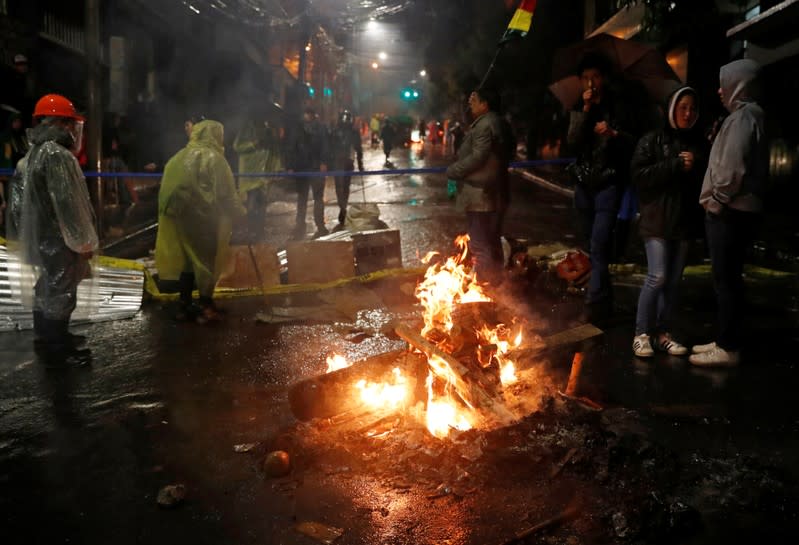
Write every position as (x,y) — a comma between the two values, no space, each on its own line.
(196,206)
(259,151)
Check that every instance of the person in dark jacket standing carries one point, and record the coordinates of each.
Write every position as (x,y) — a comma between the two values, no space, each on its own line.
(387,135)
(306,149)
(13,143)
(667,169)
(732,196)
(481,169)
(343,140)
(603,142)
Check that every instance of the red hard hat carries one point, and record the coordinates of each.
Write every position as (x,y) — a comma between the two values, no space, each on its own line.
(56,106)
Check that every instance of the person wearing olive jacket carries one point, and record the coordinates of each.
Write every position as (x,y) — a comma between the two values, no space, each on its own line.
(481,170)
(667,169)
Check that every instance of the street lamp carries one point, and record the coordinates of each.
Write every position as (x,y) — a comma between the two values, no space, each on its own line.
(382,55)
(423,72)
(375,65)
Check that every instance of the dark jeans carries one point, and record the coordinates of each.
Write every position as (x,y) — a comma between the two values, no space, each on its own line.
(317,186)
(343,189)
(485,246)
(665,261)
(728,236)
(597,212)
(256,215)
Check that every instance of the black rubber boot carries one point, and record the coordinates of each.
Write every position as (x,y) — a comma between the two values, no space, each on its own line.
(186,311)
(56,350)
(40,334)
(38,331)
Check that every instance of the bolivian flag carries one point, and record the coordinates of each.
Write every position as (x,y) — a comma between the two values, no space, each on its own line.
(520,24)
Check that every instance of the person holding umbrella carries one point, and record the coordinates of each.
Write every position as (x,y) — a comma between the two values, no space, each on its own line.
(603,143)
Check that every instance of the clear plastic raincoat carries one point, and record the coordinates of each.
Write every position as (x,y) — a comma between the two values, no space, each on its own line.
(52,216)
(259,151)
(196,206)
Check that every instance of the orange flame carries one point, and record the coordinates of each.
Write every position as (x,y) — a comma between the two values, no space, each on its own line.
(336,362)
(389,395)
(499,337)
(444,411)
(446,285)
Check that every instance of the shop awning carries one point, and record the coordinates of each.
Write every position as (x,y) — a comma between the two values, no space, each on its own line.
(772,28)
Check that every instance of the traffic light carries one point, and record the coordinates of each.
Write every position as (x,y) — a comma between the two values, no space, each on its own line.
(410,94)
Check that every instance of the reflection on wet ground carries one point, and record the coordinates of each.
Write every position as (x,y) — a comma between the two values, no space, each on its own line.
(84,453)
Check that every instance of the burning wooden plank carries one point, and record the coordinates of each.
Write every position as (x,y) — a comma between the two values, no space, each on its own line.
(470,391)
(333,394)
(575,335)
(330,394)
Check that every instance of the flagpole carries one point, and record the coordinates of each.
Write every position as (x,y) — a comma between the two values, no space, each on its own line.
(491,66)
(518,28)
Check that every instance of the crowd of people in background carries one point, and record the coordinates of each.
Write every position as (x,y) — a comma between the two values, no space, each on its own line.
(674,179)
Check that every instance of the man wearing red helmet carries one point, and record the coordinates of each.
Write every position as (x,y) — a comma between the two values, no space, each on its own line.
(55,224)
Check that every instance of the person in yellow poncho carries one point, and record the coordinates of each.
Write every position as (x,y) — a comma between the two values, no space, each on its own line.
(197,203)
(258,147)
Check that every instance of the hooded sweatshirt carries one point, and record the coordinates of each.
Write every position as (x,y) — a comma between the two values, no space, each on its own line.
(738,162)
(666,192)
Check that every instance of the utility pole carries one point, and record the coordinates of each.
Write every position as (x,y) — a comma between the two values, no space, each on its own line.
(94,118)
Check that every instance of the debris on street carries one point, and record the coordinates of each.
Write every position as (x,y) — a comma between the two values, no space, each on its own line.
(171,496)
(320,532)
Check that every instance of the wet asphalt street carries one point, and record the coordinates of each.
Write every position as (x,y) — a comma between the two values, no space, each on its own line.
(83,453)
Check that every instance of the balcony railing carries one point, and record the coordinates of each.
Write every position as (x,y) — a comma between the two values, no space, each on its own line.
(65,34)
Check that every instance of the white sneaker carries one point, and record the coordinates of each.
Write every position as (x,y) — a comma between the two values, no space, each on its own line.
(642,347)
(702,348)
(718,357)
(670,346)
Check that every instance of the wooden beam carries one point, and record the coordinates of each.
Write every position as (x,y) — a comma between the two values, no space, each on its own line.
(471,392)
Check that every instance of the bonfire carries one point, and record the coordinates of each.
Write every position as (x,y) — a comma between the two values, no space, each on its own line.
(468,353)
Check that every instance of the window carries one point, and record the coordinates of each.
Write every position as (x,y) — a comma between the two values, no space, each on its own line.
(751,13)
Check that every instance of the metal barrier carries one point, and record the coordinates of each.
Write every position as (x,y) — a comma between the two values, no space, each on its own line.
(113,293)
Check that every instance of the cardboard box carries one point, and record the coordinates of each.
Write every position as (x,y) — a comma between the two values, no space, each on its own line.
(240,271)
(377,250)
(318,261)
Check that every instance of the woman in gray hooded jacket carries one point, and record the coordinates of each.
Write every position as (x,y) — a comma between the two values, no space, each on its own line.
(732,196)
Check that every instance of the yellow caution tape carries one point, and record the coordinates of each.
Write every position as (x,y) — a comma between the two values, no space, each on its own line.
(151,287)
(230,293)
(118,263)
(702,270)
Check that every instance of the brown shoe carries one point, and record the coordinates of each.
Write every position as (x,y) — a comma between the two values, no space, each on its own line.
(209,314)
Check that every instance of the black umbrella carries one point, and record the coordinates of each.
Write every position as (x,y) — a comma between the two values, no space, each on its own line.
(628,59)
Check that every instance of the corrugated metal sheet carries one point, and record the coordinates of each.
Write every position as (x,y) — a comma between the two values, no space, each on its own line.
(113,294)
